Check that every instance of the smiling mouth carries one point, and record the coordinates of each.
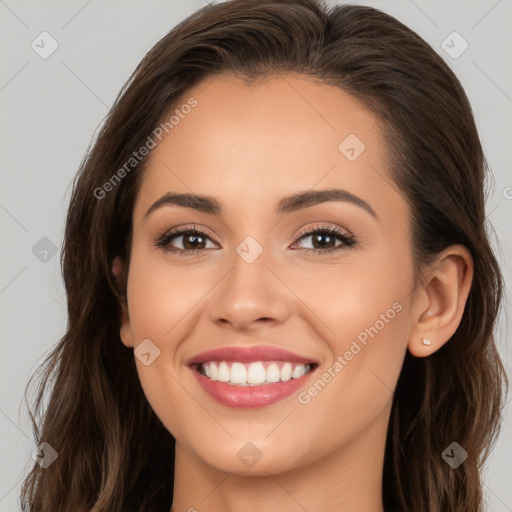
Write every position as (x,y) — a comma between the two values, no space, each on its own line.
(258,373)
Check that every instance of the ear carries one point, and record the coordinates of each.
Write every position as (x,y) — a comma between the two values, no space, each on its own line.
(440,300)
(120,273)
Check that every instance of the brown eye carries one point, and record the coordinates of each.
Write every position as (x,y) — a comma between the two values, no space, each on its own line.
(324,240)
(190,240)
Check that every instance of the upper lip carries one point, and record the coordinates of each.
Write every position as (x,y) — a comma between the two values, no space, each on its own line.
(249,355)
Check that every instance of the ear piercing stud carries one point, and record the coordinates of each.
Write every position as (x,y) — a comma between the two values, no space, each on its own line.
(425,341)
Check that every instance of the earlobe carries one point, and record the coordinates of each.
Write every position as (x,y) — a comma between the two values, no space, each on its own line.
(441,300)
(125,332)
(117,266)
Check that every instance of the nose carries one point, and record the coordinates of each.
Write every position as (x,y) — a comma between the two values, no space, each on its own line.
(250,296)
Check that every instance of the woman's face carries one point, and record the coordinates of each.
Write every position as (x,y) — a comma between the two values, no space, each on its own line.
(255,277)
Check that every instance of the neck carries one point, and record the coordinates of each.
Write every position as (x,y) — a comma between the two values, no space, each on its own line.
(347,479)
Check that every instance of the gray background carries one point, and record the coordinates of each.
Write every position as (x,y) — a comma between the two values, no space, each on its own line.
(52,107)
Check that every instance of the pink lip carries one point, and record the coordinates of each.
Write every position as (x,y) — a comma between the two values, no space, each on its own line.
(249,396)
(249,355)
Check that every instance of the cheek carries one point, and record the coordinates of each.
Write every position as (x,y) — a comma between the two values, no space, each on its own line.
(366,292)
(160,295)
(363,312)
(163,301)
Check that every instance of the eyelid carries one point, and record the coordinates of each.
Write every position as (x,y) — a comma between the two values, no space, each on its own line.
(180,230)
(323,226)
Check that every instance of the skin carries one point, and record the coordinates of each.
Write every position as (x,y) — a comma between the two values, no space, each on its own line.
(249,146)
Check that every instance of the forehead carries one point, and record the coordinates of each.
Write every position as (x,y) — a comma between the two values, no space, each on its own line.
(265,140)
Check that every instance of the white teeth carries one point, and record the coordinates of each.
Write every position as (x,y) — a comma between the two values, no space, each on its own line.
(238,373)
(224,374)
(286,372)
(256,374)
(298,371)
(273,373)
(253,374)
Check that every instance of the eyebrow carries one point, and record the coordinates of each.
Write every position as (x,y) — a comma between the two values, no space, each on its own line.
(299,201)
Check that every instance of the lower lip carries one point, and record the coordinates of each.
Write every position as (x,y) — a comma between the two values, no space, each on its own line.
(250,397)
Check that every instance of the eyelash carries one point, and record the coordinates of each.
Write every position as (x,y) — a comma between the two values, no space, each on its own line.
(164,240)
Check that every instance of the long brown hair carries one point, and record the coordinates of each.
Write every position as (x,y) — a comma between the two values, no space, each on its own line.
(114,455)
